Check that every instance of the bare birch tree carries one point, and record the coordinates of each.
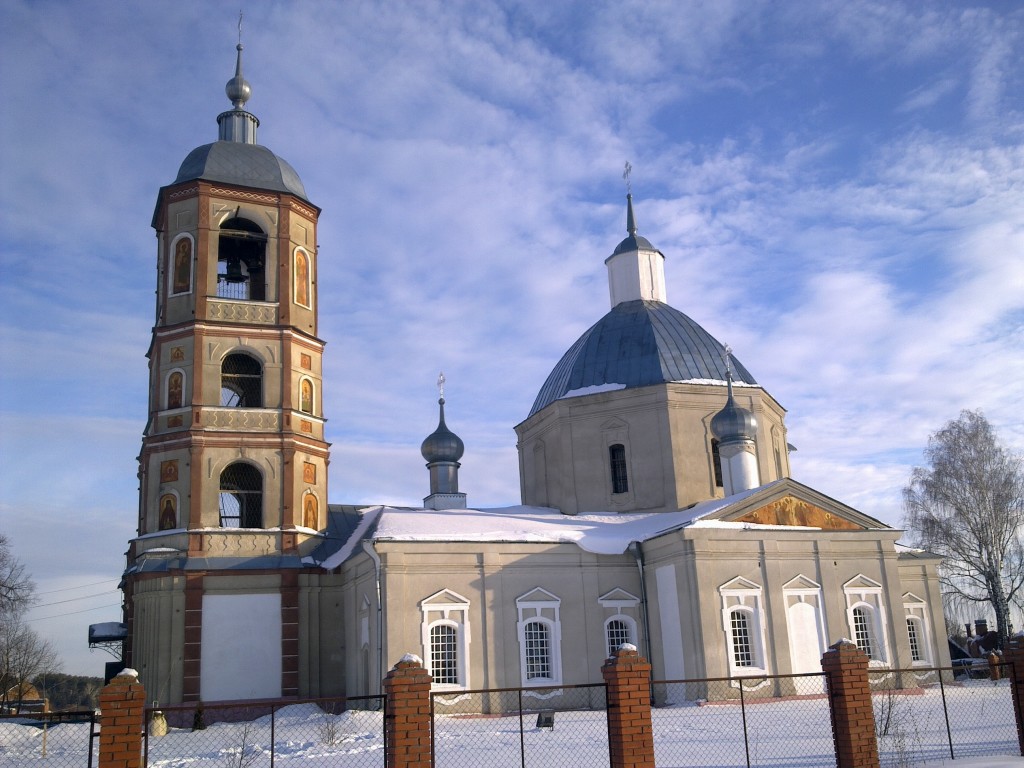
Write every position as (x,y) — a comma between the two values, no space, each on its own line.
(968,506)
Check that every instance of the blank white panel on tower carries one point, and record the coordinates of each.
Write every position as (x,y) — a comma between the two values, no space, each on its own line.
(241,647)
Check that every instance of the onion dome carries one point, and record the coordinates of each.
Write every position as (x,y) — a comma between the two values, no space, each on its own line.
(733,423)
(442,445)
(236,158)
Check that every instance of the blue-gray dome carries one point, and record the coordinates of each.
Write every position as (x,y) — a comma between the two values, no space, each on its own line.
(247,165)
(442,444)
(639,344)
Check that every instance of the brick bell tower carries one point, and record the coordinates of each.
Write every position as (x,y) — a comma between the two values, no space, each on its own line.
(233,469)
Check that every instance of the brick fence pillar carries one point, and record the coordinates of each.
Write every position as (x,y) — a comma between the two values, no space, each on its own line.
(1013,657)
(407,714)
(630,736)
(849,698)
(122,720)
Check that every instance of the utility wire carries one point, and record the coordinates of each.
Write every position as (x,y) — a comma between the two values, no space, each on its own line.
(72,613)
(80,586)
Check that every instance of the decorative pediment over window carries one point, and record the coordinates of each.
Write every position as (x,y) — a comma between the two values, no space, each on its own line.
(790,510)
(538,595)
(800,584)
(614,423)
(618,598)
(739,584)
(911,599)
(445,597)
(860,582)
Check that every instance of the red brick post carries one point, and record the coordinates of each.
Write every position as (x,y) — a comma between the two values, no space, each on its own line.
(630,736)
(407,715)
(1013,657)
(849,698)
(122,720)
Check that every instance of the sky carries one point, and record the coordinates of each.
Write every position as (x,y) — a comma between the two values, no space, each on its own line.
(836,187)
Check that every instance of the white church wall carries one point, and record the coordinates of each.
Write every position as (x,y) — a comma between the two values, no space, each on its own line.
(241,647)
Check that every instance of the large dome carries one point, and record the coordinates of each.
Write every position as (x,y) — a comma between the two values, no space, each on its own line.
(247,165)
(638,344)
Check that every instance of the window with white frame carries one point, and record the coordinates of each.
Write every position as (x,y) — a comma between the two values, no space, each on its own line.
(620,618)
(445,637)
(916,611)
(865,613)
(743,625)
(540,637)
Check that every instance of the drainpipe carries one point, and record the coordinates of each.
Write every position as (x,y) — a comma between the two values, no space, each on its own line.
(636,549)
(368,548)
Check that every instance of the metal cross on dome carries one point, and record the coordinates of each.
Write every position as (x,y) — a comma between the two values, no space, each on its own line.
(625,176)
(440,383)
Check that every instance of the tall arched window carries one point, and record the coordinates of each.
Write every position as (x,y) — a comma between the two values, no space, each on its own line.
(617,459)
(716,462)
(617,632)
(241,496)
(864,630)
(742,648)
(241,257)
(241,381)
(444,654)
(537,637)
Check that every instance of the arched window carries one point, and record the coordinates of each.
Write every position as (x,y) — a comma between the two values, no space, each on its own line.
(716,461)
(241,257)
(619,630)
(617,459)
(537,645)
(306,395)
(241,382)
(742,649)
(915,634)
(864,630)
(241,496)
(444,654)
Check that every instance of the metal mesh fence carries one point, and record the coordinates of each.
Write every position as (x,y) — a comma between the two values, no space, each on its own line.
(564,725)
(752,721)
(331,732)
(53,739)
(930,714)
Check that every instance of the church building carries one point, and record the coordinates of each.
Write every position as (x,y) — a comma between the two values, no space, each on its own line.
(657,507)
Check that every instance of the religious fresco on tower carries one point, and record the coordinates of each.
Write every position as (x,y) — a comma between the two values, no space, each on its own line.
(181,270)
(168,512)
(301,277)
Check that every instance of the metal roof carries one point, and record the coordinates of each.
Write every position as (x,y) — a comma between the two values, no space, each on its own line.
(638,344)
(247,165)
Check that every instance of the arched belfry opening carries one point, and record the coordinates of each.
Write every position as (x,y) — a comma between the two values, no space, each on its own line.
(241,261)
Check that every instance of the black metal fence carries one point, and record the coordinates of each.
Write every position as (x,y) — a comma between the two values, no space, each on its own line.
(345,732)
(561,725)
(926,714)
(52,739)
(778,720)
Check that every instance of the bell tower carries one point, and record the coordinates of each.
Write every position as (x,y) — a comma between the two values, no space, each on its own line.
(233,469)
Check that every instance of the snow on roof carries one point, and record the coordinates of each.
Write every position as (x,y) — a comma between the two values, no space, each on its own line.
(602,534)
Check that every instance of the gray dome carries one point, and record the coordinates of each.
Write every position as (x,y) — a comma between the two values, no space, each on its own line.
(639,344)
(733,423)
(443,444)
(247,165)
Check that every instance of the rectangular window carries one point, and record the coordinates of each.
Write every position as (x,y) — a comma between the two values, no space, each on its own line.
(915,641)
(618,634)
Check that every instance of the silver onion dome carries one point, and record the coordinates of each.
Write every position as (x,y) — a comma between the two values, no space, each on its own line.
(733,423)
(238,89)
(442,445)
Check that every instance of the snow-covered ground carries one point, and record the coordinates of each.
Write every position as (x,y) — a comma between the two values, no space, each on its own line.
(781,733)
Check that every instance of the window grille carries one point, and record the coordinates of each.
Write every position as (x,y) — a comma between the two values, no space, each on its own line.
(915,641)
(241,497)
(617,457)
(538,650)
(241,251)
(241,382)
(444,654)
(742,652)
(862,633)
(618,633)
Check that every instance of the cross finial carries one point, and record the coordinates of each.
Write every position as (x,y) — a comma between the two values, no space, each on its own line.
(440,384)
(625,177)
(239,26)
(727,357)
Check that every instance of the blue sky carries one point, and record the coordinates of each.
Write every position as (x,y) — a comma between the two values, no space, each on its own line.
(836,186)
